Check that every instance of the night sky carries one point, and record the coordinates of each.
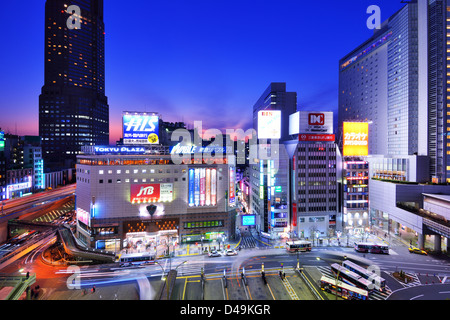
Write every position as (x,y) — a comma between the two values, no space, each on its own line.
(207,60)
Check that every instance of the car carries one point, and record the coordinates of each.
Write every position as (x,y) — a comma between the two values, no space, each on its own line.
(126,264)
(417,250)
(231,252)
(214,254)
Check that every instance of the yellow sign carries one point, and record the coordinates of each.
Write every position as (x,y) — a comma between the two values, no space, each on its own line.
(356,139)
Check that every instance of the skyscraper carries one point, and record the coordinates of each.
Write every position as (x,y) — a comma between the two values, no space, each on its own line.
(73,108)
(398,81)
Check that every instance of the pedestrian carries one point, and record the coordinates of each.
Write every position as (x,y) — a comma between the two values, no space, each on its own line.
(93,289)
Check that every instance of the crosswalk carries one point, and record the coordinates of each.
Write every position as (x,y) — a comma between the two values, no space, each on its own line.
(55,214)
(374,295)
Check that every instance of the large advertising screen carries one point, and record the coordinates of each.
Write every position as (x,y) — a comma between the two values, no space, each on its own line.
(356,139)
(269,124)
(140,128)
(145,193)
(202,187)
(248,220)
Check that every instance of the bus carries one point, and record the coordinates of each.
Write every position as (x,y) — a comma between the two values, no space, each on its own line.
(367,247)
(378,282)
(143,258)
(298,246)
(351,278)
(342,289)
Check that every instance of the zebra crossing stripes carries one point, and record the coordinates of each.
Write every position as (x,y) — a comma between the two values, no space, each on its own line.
(373,295)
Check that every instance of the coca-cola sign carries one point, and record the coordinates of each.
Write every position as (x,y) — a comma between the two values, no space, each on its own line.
(145,193)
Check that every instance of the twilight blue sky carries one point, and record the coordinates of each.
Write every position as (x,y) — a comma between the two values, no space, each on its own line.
(207,60)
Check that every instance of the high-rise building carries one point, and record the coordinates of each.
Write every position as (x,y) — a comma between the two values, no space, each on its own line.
(275,98)
(439,90)
(397,80)
(73,108)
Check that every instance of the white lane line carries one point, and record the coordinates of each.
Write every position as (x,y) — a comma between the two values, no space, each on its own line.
(420,295)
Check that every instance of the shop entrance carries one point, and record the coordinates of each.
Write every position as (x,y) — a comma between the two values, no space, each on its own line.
(158,244)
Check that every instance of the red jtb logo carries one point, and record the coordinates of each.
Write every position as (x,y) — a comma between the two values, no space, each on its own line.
(316,119)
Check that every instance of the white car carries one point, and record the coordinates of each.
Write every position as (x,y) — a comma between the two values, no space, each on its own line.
(214,254)
(231,252)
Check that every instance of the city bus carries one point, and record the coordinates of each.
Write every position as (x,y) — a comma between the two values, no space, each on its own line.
(378,282)
(342,289)
(351,278)
(298,246)
(367,247)
(143,258)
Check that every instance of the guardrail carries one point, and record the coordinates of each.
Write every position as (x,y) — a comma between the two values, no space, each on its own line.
(21,286)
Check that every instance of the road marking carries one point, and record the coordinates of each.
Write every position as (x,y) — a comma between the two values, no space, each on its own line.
(271,292)
(184,290)
(420,295)
(290,290)
(444,292)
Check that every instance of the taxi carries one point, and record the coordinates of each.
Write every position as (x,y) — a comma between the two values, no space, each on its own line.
(417,250)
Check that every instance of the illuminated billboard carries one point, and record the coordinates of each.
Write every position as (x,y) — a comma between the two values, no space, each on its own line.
(2,140)
(84,217)
(202,187)
(248,220)
(232,187)
(356,139)
(269,124)
(140,128)
(308,122)
(146,193)
(18,187)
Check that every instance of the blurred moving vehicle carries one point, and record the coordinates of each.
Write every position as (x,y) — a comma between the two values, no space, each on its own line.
(417,250)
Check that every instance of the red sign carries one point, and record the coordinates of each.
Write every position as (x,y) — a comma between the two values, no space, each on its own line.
(294,214)
(145,192)
(316,119)
(316,137)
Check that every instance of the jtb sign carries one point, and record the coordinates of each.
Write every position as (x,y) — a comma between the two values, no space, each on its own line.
(144,193)
(140,129)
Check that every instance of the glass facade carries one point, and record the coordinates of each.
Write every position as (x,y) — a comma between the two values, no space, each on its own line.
(73,108)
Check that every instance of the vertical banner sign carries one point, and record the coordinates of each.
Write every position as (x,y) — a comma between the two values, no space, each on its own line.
(232,187)
(202,187)
(356,139)
(294,214)
(191,187)
(261,179)
(213,187)
(208,187)
(269,180)
(197,188)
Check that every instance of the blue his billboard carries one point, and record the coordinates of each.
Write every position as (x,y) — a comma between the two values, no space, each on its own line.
(140,128)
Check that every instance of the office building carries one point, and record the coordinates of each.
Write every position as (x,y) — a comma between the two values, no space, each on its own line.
(275,98)
(73,107)
(270,191)
(397,81)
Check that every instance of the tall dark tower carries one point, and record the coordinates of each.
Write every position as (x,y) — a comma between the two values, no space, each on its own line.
(73,107)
